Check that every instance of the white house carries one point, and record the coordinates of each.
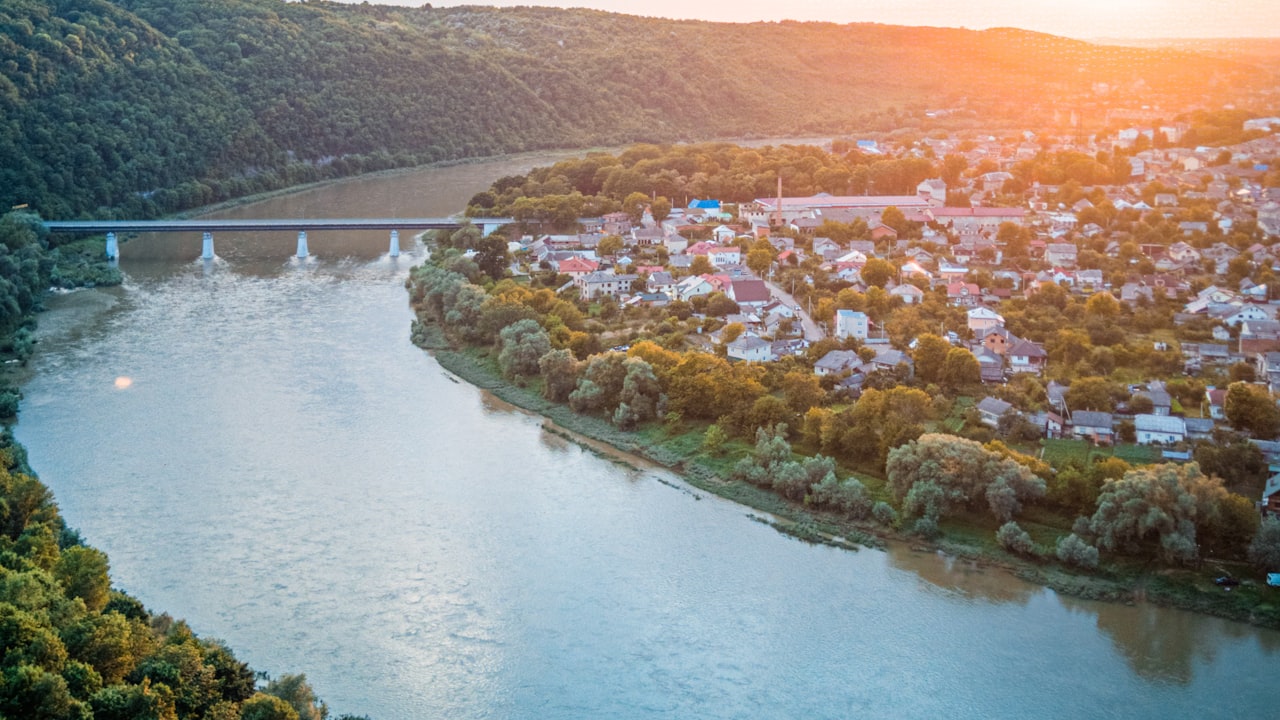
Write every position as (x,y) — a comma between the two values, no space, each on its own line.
(724,256)
(1159,429)
(693,286)
(751,348)
(851,324)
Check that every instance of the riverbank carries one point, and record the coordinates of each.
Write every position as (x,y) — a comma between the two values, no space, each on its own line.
(1119,580)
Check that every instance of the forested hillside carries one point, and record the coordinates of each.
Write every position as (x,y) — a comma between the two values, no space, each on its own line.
(141,107)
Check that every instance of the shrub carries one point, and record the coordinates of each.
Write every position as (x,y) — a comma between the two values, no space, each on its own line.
(1074,551)
(1014,539)
(884,513)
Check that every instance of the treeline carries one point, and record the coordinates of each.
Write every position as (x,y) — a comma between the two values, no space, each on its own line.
(74,648)
(142,107)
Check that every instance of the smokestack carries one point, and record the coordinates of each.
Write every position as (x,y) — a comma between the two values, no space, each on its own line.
(777,213)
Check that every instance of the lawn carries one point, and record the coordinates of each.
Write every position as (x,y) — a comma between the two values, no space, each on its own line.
(1060,452)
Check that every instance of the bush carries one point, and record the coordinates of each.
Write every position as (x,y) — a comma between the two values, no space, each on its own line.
(1074,551)
(1016,540)
(926,527)
(884,513)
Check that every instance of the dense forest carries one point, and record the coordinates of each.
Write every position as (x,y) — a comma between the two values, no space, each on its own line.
(143,107)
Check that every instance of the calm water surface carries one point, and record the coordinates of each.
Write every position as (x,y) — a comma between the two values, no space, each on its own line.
(289,474)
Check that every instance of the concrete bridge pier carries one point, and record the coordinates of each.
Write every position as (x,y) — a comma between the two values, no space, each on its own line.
(206,249)
(395,243)
(302,244)
(113,247)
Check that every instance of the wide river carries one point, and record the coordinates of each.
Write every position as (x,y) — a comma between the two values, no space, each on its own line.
(261,451)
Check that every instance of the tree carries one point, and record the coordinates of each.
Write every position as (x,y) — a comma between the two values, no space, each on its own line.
(660,208)
(802,390)
(877,272)
(641,394)
(760,259)
(963,474)
(559,372)
(1242,372)
(894,218)
(1103,305)
(83,573)
(609,245)
(1264,551)
(1074,551)
(1091,393)
(267,707)
(961,369)
(930,357)
(492,256)
(1251,409)
(732,332)
(701,265)
(523,344)
(634,205)
(1156,508)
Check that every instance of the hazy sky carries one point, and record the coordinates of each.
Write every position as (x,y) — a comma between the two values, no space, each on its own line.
(1074,18)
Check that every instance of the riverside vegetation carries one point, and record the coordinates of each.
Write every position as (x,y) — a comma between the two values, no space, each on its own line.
(909,458)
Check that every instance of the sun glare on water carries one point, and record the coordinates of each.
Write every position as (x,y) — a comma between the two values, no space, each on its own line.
(123,383)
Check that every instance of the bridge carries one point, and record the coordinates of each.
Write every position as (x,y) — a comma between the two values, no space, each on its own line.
(208,227)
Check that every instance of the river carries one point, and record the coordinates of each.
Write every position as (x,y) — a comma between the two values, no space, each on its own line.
(261,451)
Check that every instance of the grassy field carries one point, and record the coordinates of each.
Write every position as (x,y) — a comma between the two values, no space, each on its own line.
(1062,451)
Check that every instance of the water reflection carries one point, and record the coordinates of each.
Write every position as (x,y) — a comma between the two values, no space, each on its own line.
(963,577)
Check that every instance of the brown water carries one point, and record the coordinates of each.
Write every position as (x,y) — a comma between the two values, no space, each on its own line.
(289,474)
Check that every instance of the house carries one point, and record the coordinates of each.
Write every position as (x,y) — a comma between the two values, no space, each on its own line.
(600,284)
(961,294)
(851,324)
(577,267)
(662,282)
(1159,429)
(910,294)
(724,256)
(837,362)
(1094,426)
(618,223)
(693,286)
(1271,496)
(827,249)
(934,190)
(1259,336)
(1026,356)
(982,319)
(990,409)
(750,293)
(1063,254)
(751,348)
(1161,401)
(1198,428)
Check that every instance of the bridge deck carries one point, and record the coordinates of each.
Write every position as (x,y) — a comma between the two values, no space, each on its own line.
(122,226)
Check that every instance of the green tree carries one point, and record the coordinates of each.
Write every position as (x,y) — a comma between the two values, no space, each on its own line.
(760,259)
(559,372)
(877,272)
(83,573)
(1251,409)
(1156,508)
(660,208)
(930,356)
(1103,305)
(960,369)
(1264,551)
(964,475)
(609,245)
(523,344)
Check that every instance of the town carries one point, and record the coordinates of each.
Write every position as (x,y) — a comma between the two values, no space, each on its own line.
(1171,272)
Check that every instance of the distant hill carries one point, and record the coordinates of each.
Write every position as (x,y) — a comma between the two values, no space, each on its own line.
(147,106)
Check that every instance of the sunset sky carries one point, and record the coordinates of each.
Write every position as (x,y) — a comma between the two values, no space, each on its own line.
(1074,18)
